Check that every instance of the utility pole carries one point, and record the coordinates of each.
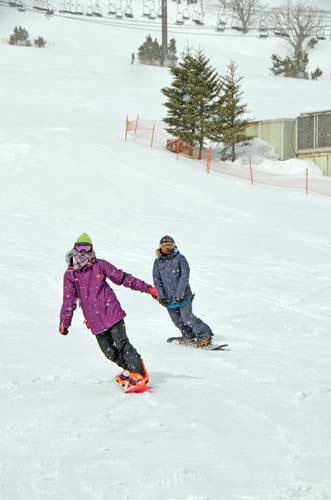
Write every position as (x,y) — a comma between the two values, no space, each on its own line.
(165,31)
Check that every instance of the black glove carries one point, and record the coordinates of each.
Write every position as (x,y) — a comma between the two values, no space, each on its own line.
(163,302)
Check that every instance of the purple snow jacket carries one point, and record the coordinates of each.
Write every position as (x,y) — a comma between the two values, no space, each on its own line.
(98,301)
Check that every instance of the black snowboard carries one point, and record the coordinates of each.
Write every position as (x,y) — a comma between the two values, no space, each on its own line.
(210,347)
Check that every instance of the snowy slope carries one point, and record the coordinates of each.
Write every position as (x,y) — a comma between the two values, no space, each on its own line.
(248,424)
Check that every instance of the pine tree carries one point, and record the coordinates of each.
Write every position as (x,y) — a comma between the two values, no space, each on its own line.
(191,98)
(293,68)
(150,52)
(172,52)
(316,74)
(40,42)
(145,51)
(20,36)
(232,111)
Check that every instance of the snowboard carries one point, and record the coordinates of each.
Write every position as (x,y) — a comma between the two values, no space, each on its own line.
(137,389)
(210,347)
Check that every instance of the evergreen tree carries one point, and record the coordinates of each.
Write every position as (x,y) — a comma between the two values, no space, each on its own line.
(172,52)
(157,53)
(20,36)
(316,74)
(150,52)
(191,99)
(232,110)
(290,67)
(40,42)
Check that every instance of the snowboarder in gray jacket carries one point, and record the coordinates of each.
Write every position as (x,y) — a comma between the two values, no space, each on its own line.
(171,274)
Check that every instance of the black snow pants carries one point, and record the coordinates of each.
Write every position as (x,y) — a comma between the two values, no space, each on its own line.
(116,346)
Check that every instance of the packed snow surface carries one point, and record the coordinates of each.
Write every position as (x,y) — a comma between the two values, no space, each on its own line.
(252,423)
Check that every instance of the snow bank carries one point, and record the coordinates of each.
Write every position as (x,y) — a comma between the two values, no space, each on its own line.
(264,158)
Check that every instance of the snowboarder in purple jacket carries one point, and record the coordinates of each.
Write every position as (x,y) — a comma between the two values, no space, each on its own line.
(85,281)
(171,274)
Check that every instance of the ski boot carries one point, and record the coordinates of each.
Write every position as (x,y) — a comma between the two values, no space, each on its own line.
(186,340)
(136,378)
(122,378)
(203,342)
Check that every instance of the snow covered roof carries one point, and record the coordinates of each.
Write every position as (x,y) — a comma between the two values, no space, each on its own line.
(315,113)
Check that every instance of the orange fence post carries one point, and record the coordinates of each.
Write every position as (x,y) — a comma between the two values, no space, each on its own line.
(178,146)
(306,180)
(135,129)
(152,139)
(126,128)
(251,170)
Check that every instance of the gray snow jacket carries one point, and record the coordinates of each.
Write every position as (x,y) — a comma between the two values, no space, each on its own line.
(171,277)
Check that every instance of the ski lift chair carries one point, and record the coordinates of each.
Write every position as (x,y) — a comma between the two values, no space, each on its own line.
(72,9)
(263,32)
(128,10)
(198,19)
(79,9)
(235,24)
(321,35)
(66,7)
(186,14)
(263,29)
(179,15)
(146,11)
(221,21)
(89,11)
(112,9)
(159,10)
(179,18)
(119,13)
(221,25)
(96,11)
(279,31)
(152,14)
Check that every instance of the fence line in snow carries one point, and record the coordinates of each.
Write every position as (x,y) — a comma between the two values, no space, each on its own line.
(153,132)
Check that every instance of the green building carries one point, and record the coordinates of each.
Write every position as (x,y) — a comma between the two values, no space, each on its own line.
(308,136)
(280,134)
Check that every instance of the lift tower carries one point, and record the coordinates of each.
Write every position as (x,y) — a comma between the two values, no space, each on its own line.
(165,31)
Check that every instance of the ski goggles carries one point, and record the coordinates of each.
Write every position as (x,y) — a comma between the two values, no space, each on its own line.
(83,247)
(167,245)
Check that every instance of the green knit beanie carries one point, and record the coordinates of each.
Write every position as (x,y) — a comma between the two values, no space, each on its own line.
(83,238)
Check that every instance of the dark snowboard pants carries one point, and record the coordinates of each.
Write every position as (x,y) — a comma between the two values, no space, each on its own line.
(188,324)
(115,345)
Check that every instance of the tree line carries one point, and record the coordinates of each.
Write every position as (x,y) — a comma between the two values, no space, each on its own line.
(21,37)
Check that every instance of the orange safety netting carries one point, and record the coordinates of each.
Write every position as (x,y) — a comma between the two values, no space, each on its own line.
(154,133)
